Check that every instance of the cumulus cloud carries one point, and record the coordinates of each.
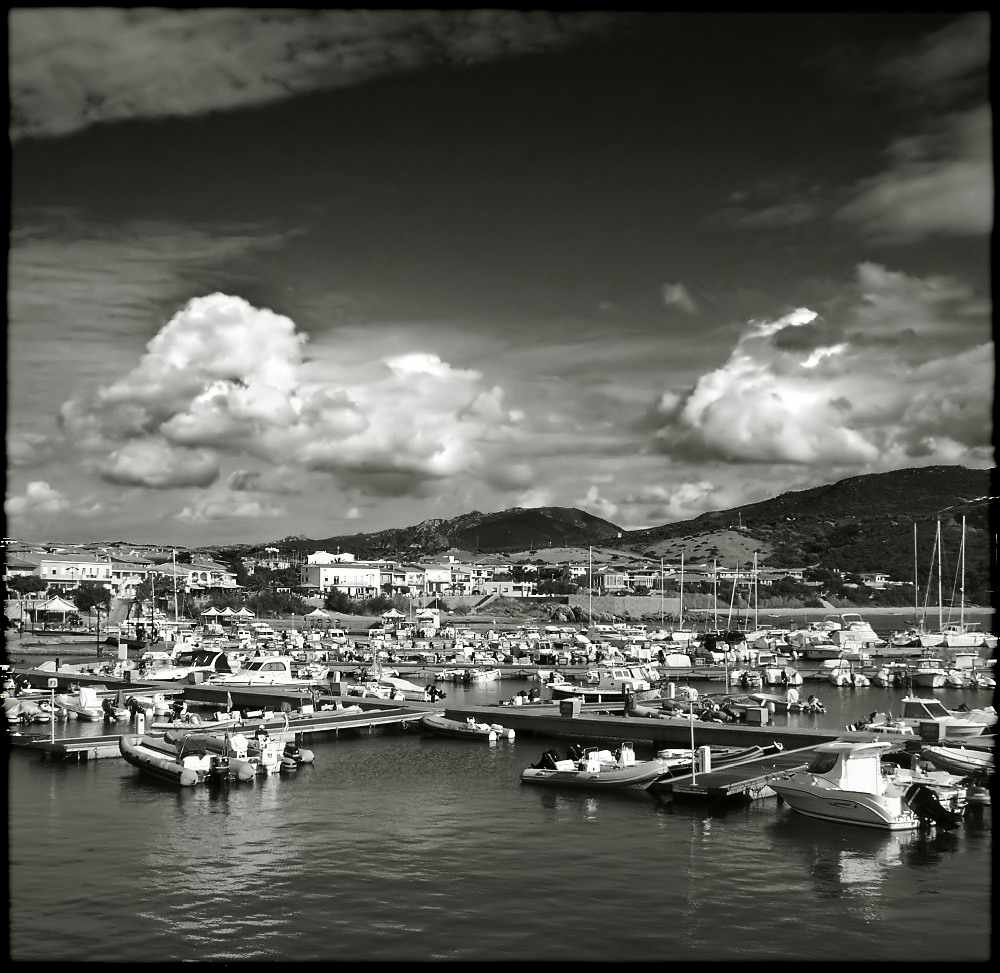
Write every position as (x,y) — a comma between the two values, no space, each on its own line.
(229,508)
(593,502)
(159,465)
(224,379)
(798,390)
(42,500)
(73,67)
(29,448)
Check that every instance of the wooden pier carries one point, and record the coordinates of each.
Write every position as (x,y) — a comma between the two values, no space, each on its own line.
(302,727)
(734,783)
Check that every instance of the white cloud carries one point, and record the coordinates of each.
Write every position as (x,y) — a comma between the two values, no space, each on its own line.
(939,183)
(74,67)
(594,503)
(226,379)
(944,60)
(676,295)
(859,393)
(40,500)
(229,508)
(28,448)
(158,465)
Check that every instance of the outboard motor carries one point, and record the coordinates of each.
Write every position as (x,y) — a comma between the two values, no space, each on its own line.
(219,767)
(548,761)
(928,807)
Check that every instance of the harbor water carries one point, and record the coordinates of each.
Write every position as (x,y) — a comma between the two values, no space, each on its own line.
(398,846)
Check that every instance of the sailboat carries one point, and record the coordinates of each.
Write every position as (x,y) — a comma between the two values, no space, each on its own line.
(960,634)
(681,634)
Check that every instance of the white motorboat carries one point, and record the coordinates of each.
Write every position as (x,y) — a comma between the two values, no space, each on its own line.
(917,710)
(960,760)
(929,673)
(844,674)
(844,783)
(269,670)
(607,684)
(85,704)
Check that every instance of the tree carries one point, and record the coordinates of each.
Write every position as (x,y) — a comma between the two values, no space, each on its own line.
(90,595)
(27,584)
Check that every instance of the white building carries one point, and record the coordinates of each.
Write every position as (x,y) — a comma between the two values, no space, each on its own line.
(356,579)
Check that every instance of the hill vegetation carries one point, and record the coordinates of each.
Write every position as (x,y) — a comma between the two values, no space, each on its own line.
(860,524)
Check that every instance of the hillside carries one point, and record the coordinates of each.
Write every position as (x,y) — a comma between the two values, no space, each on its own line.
(517,529)
(863,523)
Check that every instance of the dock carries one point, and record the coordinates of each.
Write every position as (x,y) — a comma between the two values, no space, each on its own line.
(302,727)
(735,783)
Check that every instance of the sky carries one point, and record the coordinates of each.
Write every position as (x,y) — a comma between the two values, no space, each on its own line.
(323,272)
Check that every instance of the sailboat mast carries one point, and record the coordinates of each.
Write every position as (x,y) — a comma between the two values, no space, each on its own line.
(680,611)
(590,588)
(661,591)
(916,580)
(174,555)
(715,594)
(940,598)
(961,616)
(756,623)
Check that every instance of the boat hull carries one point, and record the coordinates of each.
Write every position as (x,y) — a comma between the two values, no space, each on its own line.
(957,760)
(846,807)
(442,726)
(636,777)
(155,764)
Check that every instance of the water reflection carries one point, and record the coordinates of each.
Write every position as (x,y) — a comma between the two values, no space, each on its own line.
(844,862)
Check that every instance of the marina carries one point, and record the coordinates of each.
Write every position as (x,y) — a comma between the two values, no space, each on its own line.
(458,798)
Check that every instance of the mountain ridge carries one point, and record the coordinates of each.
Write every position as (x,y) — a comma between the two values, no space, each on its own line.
(862,523)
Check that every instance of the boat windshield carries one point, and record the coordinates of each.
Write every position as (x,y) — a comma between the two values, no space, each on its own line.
(822,763)
(918,708)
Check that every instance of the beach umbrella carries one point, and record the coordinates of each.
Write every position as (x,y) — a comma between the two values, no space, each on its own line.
(245,612)
(211,611)
(227,611)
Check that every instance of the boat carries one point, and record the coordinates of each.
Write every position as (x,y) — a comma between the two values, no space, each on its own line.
(844,783)
(959,760)
(788,702)
(929,673)
(843,673)
(260,755)
(956,724)
(85,705)
(268,670)
(188,663)
(595,769)
(607,684)
(184,766)
(854,632)
(892,676)
(395,687)
(780,675)
(20,711)
(467,729)
(475,677)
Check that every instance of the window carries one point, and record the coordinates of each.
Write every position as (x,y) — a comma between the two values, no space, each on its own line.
(823,763)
